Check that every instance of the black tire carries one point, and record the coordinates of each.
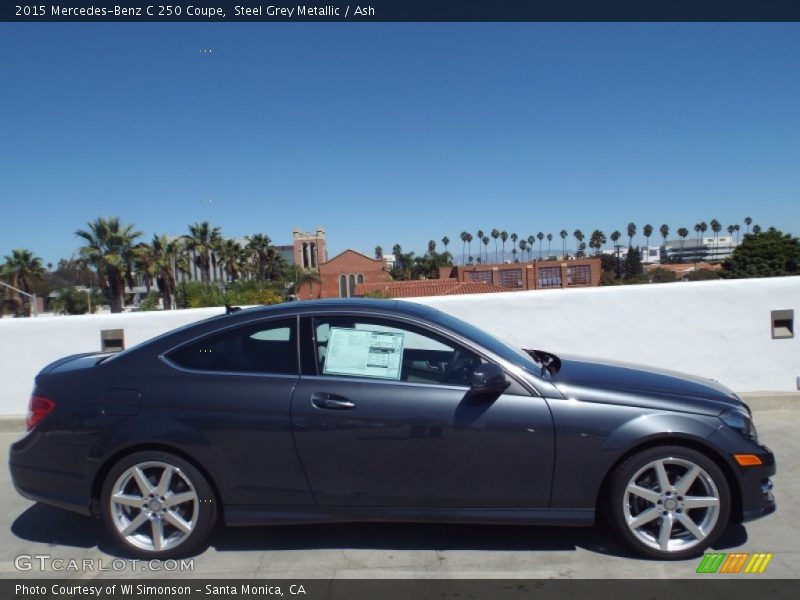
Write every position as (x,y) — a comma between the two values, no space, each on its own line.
(618,499)
(203,512)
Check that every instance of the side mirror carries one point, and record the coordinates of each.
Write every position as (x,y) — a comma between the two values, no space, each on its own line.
(488,378)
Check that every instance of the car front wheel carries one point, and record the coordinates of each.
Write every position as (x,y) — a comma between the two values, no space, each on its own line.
(157,505)
(669,502)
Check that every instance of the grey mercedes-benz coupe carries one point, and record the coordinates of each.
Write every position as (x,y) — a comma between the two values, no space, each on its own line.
(383,410)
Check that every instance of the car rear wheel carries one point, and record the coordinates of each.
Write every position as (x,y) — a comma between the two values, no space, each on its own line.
(669,502)
(157,505)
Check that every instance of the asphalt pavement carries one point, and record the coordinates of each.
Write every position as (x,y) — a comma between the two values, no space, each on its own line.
(372,551)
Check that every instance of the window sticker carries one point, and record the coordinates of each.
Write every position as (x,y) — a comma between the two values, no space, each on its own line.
(364,353)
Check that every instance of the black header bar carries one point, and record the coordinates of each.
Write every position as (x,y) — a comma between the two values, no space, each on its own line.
(248,11)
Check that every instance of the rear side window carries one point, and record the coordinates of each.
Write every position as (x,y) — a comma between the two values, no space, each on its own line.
(267,347)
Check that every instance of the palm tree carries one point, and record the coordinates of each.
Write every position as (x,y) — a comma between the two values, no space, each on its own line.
(233,258)
(540,237)
(504,239)
(378,252)
(21,269)
(748,221)
(202,241)
(258,247)
(563,233)
(737,228)
(479,236)
(682,233)
(431,247)
(109,249)
(523,246)
(464,235)
(469,245)
(631,233)
(664,230)
(615,235)
(495,235)
(445,242)
(756,229)
(486,247)
(579,237)
(167,256)
(307,277)
(731,229)
(531,243)
(699,229)
(144,263)
(647,230)
(596,241)
(514,237)
(514,253)
(549,241)
(716,227)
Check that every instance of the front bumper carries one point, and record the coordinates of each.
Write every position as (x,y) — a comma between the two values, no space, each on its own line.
(755,484)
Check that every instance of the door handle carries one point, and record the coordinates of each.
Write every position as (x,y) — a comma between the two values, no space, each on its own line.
(331,402)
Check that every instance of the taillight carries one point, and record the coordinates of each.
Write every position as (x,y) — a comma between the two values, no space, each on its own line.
(38,408)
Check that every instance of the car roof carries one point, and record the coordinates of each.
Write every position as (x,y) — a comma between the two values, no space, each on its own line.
(366,304)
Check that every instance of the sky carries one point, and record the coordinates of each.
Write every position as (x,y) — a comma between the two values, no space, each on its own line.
(395,133)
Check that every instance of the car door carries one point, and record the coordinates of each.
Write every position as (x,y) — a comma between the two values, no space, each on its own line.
(229,392)
(381,417)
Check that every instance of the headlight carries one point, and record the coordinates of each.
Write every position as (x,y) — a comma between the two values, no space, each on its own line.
(741,422)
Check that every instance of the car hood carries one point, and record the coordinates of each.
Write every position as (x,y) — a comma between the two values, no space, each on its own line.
(617,382)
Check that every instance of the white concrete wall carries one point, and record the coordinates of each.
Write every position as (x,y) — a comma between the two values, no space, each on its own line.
(718,329)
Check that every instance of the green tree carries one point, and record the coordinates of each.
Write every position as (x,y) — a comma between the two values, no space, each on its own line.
(647,230)
(504,239)
(22,269)
(633,265)
(202,241)
(615,235)
(463,236)
(108,249)
(445,242)
(769,253)
(233,259)
(716,227)
(495,235)
(748,221)
(258,247)
(379,251)
(168,256)
(631,233)
(579,237)
(563,234)
(540,237)
(682,233)
(549,241)
(486,247)
(596,240)
(661,275)
(308,278)
(72,301)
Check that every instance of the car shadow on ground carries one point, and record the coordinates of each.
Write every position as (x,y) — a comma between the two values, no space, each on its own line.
(55,527)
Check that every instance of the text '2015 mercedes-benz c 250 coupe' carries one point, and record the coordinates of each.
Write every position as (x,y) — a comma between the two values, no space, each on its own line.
(378,410)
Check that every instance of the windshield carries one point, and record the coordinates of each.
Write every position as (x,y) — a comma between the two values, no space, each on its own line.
(518,357)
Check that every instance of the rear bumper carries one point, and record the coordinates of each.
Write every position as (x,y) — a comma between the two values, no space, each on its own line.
(70,490)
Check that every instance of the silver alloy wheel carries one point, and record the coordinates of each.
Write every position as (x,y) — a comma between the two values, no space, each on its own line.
(671,504)
(154,506)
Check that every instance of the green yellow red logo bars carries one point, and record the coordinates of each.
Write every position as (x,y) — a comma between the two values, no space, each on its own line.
(734,562)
